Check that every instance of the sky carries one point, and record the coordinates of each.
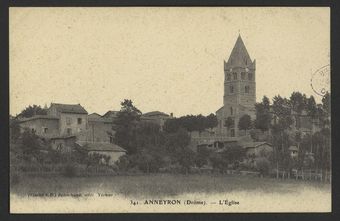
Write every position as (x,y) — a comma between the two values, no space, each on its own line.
(165,59)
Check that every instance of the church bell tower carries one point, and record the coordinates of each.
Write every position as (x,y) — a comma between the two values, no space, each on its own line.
(239,88)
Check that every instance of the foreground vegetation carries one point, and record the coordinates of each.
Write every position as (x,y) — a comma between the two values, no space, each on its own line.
(162,185)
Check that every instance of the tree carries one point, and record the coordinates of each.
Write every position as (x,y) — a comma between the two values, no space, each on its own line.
(217,161)
(125,126)
(14,130)
(171,125)
(186,159)
(255,134)
(211,121)
(263,116)
(233,153)
(30,142)
(298,102)
(229,122)
(202,156)
(245,123)
(31,111)
(176,142)
(282,110)
(326,103)
(191,123)
(311,107)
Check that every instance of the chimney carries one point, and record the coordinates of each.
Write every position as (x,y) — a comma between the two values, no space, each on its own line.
(171,114)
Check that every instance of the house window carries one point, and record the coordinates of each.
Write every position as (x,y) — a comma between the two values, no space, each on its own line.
(235,76)
(231,89)
(232,132)
(246,89)
(243,75)
(69,131)
(250,76)
(111,139)
(79,120)
(228,77)
(45,129)
(68,120)
(33,130)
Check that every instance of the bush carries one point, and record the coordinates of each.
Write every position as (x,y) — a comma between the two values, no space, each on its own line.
(15,179)
(69,170)
(263,166)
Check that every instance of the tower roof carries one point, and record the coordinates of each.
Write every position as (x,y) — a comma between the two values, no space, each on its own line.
(239,56)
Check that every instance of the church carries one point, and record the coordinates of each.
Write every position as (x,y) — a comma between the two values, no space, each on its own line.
(239,91)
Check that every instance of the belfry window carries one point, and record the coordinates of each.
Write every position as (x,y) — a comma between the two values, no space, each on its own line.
(243,75)
(250,76)
(246,89)
(231,89)
(235,76)
(228,77)
(231,110)
(232,132)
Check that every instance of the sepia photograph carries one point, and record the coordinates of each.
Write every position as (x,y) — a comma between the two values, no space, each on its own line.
(170,109)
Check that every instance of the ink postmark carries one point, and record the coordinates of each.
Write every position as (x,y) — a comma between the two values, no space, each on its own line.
(320,81)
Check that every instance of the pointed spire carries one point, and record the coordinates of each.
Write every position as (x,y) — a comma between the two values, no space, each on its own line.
(239,56)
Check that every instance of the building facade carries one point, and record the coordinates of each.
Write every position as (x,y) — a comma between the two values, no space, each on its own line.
(156,117)
(239,91)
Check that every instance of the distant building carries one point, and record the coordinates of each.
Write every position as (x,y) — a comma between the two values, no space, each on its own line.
(72,118)
(112,150)
(156,117)
(94,116)
(110,114)
(43,125)
(257,149)
(63,144)
(66,124)
(99,130)
(302,122)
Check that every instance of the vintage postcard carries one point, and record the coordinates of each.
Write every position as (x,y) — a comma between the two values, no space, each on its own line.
(170,109)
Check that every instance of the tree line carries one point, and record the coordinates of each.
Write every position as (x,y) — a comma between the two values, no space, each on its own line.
(150,148)
(282,121)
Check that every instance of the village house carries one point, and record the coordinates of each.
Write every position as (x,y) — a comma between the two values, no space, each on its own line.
(257,149)
(72,118)
(66,124)
(301,122)
(156,117)
(113,151)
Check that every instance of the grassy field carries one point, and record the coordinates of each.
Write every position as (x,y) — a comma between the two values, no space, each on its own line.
(162,185)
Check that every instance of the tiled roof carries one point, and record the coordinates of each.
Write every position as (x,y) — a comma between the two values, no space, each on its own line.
(62,137)
(94,115)
(155,113)
(36,117)
(253,144)
(239,56)
(110,114)
(101,146)
(101,119)
(70,108)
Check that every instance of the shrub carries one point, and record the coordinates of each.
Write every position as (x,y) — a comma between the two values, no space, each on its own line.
(263,166)
(15,179)
(69,170)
